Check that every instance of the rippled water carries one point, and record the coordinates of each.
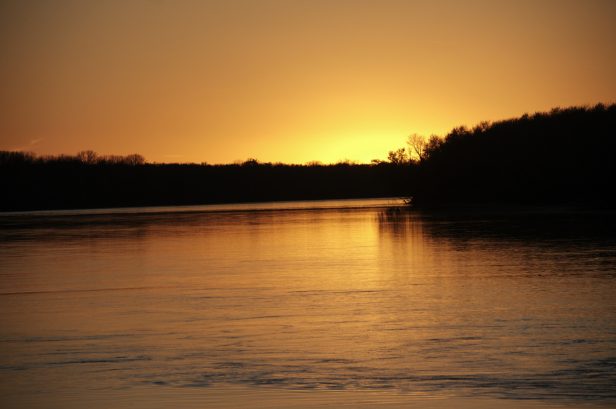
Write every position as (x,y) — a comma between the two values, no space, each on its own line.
(347,295)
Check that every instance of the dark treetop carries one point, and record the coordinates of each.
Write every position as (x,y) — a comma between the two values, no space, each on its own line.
(566,156)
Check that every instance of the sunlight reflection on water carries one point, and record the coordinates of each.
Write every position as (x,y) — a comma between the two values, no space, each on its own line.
(359,296)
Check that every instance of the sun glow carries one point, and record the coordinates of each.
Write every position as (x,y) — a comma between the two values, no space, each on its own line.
(288,81)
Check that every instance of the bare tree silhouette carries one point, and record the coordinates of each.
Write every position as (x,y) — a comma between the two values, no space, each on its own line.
(417,146)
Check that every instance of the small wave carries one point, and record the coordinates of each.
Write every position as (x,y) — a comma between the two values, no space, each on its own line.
(111,360)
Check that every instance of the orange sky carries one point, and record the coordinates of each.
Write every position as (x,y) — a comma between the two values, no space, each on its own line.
(289,81)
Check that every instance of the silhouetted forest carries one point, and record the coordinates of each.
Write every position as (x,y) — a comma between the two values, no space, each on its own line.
(87,180)
(565,156)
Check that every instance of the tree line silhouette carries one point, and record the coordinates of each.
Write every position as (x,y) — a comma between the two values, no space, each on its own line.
(565,156)
(559,157)
(87,180)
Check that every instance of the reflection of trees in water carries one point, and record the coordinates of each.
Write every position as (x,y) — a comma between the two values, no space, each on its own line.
(533,227)
(534,242)
(401,238)
(532,231)
(397,221)
(542,224)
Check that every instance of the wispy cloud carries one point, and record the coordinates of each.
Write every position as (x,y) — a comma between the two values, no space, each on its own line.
(27,147)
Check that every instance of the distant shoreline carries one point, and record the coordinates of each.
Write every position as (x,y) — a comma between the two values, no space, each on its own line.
(289,205)
(71,184)
(562,157)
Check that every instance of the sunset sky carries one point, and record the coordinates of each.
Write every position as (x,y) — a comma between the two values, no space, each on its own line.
(288,81)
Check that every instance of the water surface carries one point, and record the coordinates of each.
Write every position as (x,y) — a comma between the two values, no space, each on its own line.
(350,296)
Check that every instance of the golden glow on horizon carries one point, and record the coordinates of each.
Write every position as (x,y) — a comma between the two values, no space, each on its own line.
(288,81)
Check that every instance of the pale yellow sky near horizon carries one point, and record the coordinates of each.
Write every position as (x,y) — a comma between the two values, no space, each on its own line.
(288,81)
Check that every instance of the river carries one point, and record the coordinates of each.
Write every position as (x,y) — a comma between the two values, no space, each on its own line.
(308,303)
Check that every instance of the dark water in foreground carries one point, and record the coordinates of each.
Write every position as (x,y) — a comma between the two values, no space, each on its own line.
(352,295)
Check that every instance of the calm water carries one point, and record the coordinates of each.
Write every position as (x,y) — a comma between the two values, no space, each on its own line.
(348,295)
